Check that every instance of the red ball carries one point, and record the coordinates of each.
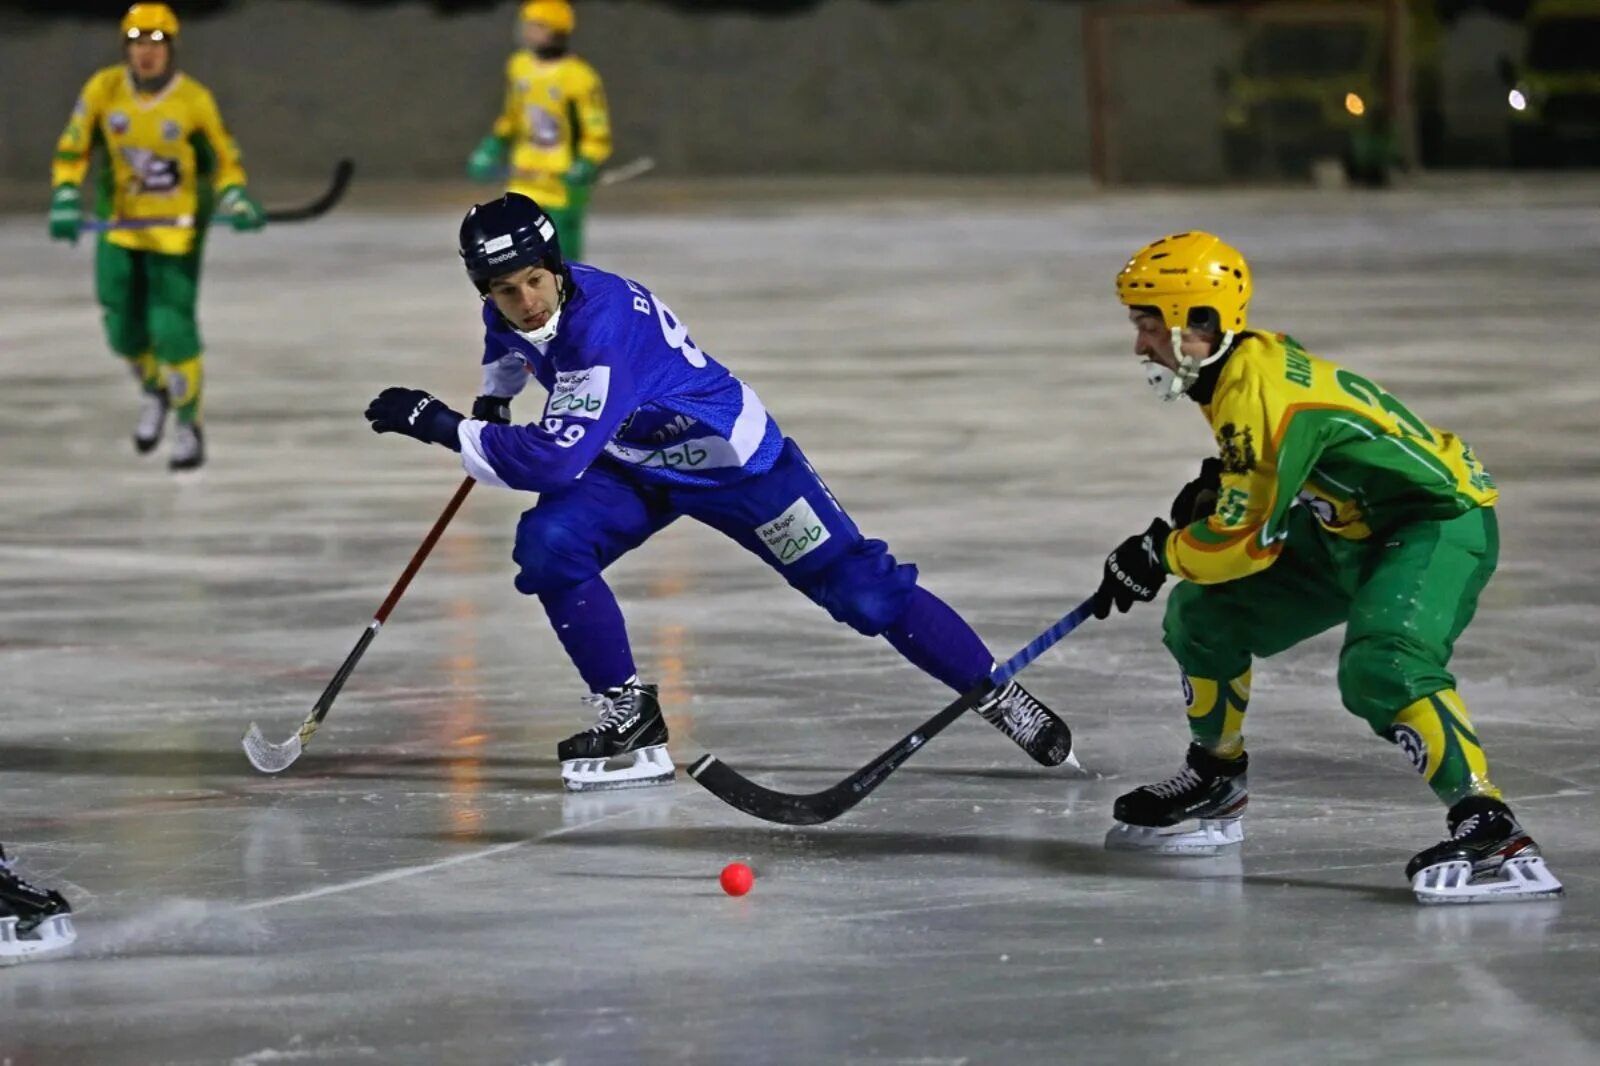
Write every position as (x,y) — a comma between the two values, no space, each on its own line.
(737,878)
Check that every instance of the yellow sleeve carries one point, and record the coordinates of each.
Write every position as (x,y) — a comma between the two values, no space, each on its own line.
(507,125)
(1245,534)
(594,120)
(71,162)
(208,123)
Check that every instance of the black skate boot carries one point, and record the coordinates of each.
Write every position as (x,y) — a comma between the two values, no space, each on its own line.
(630,723)
(152,423)
(1030,724)
(188,447)
(33,922)
(1488,858)
(1196,811)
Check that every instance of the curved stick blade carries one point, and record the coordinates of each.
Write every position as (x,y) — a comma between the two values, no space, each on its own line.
(266,756)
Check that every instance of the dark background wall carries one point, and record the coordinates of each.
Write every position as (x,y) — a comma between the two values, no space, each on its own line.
(836,86)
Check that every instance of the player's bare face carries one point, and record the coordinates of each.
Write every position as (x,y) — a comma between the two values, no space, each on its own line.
(1152,340)
(537,35)
(527,297)
(148,56)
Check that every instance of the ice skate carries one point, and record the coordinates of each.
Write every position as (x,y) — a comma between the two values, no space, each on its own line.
(152,423)
(188,448)
(34,923)
(630,724)
(1489,858)
(1197,811)
(1030,724)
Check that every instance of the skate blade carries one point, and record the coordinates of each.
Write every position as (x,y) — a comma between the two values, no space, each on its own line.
(1519,880)
(51,937)
(1210,837)
(651,766)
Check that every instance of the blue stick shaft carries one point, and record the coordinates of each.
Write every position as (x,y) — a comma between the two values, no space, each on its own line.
(100,225)
(1042,643)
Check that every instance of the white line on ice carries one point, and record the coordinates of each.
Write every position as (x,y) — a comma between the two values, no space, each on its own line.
(428,867)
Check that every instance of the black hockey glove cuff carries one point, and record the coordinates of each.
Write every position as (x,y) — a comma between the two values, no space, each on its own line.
(1134,571)
(496,409)
(1198,499)
(417,414)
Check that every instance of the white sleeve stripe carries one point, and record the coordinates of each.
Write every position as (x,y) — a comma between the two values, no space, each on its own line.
(750,428)
(470,434)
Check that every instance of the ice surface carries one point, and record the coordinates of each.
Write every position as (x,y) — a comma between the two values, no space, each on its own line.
(417,889)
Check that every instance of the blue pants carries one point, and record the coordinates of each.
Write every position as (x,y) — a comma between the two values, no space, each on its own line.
(786,517)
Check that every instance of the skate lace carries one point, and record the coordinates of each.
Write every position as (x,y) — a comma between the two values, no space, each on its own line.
(614,709)
(1176,785)
(9,872)
(1466,827)
(1024,717)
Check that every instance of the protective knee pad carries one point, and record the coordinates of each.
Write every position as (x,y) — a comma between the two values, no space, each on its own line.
(1383,671)
(1216,712)
(1199,636)
(864,587)
(125,330)
(1437,738)
(174,334)
(550,556)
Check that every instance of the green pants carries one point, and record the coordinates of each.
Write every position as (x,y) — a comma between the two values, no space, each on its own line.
(1404,597)
(569,224)
(148,300)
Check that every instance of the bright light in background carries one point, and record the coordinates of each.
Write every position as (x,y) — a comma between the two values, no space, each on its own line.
(1518,100)
(1355,105)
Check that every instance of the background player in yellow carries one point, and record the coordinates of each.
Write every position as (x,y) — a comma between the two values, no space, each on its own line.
(163,153)
(553,131)
(1329,503)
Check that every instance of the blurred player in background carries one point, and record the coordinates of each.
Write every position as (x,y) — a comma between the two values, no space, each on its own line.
(1329,503)
(553,132)
(641,427)
(34,922)
(163,153)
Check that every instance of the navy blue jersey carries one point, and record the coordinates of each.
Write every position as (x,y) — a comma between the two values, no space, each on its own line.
(626,385)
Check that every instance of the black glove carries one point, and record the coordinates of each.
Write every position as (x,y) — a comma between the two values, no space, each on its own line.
(1198,499)
(1134,571)
(416,414)
(496,409)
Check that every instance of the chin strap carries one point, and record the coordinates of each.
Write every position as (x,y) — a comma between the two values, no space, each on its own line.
(547,332)
(1168,384)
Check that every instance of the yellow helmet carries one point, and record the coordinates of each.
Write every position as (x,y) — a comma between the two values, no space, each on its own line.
(150,18)
(1188,272)
(557,14)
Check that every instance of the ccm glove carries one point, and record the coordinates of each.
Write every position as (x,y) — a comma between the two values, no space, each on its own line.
(417,414)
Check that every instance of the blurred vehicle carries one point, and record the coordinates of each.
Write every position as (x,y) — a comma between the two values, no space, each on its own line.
(1554,93)
(1309,85)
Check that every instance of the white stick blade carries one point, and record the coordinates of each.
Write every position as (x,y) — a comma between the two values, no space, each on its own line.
(266,756)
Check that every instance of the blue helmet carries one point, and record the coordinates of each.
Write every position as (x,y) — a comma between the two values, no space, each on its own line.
(508,234)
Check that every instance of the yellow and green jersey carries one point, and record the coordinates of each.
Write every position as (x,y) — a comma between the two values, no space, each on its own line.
(162,154)
(554,113)
(1295,429)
